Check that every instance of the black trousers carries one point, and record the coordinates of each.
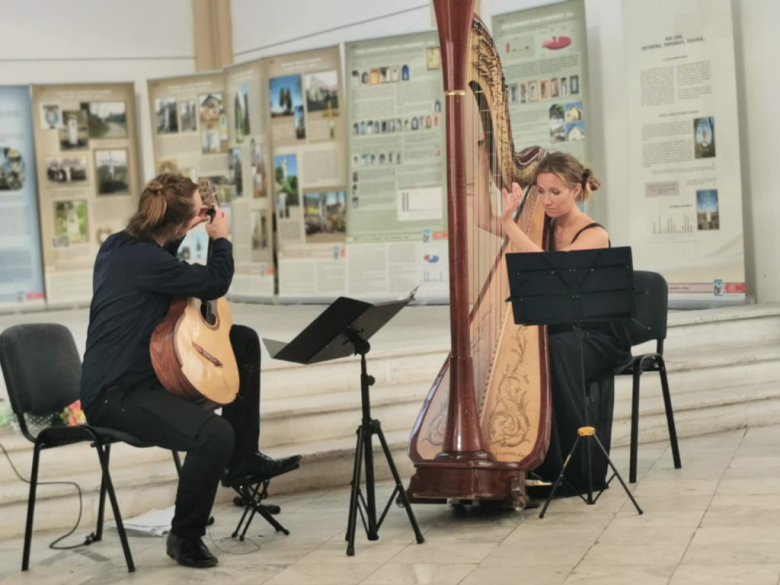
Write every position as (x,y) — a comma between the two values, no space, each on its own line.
(212,443)
(569,403)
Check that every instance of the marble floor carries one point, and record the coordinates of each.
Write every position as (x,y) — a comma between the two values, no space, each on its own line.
(716,521)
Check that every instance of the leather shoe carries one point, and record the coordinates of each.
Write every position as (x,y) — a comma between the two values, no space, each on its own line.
(259,467)
(190,552)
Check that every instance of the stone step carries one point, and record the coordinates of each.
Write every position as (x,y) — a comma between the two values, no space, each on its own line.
(335,415)
(713,331)
(153,485)
(402,366)
(697,380)
(722,328)
(147,484)
(698,412)
(702,370)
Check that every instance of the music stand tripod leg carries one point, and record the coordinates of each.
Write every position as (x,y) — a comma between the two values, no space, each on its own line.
(398,483)
(620,479)
(560,476)
(368,453)
(355,498)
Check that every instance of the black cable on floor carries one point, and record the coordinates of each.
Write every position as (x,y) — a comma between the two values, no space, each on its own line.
(228,552)
(89,539)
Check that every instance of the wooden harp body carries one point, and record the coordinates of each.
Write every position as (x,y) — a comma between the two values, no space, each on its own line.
(486,420)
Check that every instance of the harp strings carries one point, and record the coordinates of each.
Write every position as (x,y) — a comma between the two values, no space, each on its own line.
(485,238)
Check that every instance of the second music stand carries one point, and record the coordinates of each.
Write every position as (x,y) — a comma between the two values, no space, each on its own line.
(574,288)
(342,330)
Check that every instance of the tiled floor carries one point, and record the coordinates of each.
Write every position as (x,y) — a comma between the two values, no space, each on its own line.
(716,521)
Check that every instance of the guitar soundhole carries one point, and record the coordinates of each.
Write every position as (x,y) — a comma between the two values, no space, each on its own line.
(208,311)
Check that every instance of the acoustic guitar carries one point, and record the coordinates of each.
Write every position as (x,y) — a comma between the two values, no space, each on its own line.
(190,348)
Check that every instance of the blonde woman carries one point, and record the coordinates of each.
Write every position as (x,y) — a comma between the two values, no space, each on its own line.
(562,183)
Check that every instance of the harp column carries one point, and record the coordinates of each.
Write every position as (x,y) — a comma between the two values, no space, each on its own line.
(462,440)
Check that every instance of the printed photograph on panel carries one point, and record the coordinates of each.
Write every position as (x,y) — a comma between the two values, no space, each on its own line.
(106,119)
(433,58)
(111,172)
(707,209)
(574,112)
(544,89)
(285,95)
(11,169)
(66,170)
(259,175)
(533,91)
(325,217)
(575,131)
(235,171)
(286,182)
(73,133)
(557,132)
(70,222)
(704,137)
(51,116)
(300,123)
(165,114)
(241,107)
(188,116)
(221,184)
(260,236)
(213,124)
(322,92)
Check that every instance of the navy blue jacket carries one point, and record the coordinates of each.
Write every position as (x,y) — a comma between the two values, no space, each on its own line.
(134,284)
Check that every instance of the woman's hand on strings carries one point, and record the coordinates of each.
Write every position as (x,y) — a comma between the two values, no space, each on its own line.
(511,201)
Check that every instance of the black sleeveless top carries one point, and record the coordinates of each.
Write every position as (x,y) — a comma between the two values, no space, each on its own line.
(577,235)
(615,333)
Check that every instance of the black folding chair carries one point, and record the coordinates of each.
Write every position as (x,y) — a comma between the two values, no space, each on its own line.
(42,371)
(652,307)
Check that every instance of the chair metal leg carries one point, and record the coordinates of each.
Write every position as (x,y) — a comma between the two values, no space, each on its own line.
(102,500)
(669,413)
(31,508)
(177,461)
(115,508)
(634,424)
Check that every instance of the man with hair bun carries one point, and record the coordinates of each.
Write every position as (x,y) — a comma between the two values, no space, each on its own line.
(137,274)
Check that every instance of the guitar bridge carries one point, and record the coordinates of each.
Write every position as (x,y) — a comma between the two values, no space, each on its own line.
(207,355)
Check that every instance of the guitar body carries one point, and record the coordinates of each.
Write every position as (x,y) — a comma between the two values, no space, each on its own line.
(192,357)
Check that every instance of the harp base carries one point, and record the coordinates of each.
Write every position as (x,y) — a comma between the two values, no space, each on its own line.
(435,483)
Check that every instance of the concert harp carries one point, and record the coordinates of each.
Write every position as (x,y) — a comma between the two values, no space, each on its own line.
(486,421)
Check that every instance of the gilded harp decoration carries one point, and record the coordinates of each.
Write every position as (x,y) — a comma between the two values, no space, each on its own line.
(486,420)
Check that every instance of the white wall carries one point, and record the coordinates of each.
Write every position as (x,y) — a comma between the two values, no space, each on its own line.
(305,24)
(53,41)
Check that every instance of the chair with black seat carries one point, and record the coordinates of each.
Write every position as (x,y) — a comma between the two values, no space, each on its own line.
(652,308)
(42,371)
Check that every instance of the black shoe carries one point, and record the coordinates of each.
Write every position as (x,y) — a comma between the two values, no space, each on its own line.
(259,467)
(190,552)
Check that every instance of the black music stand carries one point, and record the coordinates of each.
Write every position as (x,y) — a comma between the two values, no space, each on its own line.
(342,330)
(583,286)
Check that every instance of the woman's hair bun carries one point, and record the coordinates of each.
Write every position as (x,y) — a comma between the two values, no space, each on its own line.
(155,188)
(589,182)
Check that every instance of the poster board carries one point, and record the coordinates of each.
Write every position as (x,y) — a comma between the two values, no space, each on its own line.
(684,163)
(544,55)
(21,277)
(397,222)
(308,141)
(250,181)
(88,169)
(190,133)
